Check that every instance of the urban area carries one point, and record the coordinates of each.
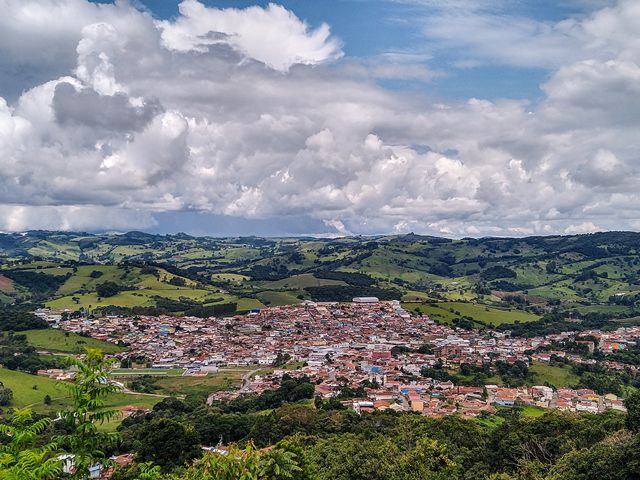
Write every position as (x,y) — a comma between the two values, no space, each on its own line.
(386,357)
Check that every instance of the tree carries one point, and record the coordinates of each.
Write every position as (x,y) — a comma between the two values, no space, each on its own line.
(89,390)
(167,443)
(281,359)
(21,459)
(429,459)
(351,457)
(237,464)
(6,395)
(278,464)
(632,403)
(248,464)
(611,459)
(107,289)
(177,281)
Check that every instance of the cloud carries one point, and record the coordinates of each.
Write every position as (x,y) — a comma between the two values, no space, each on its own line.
(151,119)
(491,34)
(86,107)
(586,227)
(78,218)
(272,35)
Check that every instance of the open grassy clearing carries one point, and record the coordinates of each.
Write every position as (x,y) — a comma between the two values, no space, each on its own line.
(278,298)
(416,297)
(54,340)
(556,291)
(617,309)
(244,304)
(224,379)
(87,277)
(558,376)
(25,395)
(531,411)
(229,277)
(300,281)
(447,311)
(167,372)
(46,248)
(31,389)
(535,274)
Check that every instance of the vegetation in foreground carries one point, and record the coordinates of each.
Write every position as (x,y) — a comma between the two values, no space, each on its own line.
(302,441)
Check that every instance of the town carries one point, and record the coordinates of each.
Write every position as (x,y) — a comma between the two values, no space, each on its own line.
(375,349)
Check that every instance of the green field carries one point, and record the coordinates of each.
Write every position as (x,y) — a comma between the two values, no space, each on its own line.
(244,304)
(134,298)
(55,340)
(445,312)
(30,390)
(128,372)
(300,281)
(278,298)
(229,277)
(202,386)
(558,376)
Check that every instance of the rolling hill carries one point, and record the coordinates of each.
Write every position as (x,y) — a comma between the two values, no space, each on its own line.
(597,272)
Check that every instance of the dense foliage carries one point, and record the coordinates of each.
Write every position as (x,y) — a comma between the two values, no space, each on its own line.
(338,444)
(307,443)
(19,318)
(40,284)
(17,354)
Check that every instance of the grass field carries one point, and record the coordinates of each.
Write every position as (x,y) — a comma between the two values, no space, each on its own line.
(445,312)
(244,304)
(300,281)
(133,298)
(225,378)
(139,288)
(30,390)
(531,411)
(54,340)
(168,372)
(278,298)
(229,277)
(557,376)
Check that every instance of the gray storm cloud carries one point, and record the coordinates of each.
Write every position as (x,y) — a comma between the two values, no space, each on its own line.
(250,113)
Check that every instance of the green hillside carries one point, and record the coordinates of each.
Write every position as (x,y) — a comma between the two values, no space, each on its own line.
(524,277)
(30,390)
(53,340)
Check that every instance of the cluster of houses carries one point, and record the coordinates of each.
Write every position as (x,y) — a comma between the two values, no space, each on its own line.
(365,342)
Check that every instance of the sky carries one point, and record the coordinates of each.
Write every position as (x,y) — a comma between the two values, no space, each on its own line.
(320,117)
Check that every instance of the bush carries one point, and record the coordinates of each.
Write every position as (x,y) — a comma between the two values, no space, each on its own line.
(6,395)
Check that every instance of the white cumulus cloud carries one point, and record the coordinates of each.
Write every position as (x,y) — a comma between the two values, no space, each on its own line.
(235,112)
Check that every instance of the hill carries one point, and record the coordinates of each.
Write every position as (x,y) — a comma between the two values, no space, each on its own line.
(30,390)
(176,273)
